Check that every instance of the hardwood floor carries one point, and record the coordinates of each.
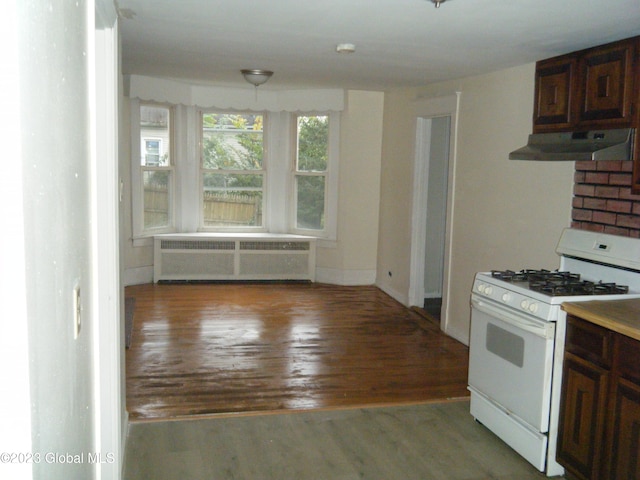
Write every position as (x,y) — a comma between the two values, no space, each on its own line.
(203,349)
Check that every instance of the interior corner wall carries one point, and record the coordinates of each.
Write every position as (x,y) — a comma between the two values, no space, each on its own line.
(352,259)
(396,182)
(506,214)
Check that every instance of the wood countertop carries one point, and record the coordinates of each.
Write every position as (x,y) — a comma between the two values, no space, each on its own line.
(621,316)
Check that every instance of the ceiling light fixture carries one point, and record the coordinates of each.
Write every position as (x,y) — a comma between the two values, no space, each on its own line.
(438,2)
(345,48)
(256,77)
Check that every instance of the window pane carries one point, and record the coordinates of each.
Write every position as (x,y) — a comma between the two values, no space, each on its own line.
(310,202)
(154,136)
(232,141)
(152,152)
(313,143)
(156,199)
(232,200)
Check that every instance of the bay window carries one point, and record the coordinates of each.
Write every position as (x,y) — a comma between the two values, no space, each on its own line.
(233,171)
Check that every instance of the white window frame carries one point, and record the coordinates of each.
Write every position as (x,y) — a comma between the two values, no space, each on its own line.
(331,178)
(264,172)
(141,234)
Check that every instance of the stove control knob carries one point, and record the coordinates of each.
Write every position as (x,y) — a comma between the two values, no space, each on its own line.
(488,290)
(524,304)
(533,308)
(481,287)
(506,297)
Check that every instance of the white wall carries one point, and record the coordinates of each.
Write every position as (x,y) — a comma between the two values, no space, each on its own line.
(55,92)
(352,261)
(506,214)
(396,191)
(15,397)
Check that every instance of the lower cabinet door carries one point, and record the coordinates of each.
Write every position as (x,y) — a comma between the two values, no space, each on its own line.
(625,445)
(581,429)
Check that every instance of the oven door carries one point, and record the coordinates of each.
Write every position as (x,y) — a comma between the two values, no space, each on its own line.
(511,359)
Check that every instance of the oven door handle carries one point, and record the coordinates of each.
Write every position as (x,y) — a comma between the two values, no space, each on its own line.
(541,329)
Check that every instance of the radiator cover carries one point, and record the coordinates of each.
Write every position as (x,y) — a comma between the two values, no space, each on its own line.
(200,256)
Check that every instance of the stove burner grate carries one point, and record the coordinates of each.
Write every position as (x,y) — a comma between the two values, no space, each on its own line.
(527,275)
(556,283)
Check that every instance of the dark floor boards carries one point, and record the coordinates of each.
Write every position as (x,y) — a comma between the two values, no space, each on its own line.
(206,349)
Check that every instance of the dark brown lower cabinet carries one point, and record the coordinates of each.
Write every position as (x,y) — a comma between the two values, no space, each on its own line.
(625,445)
(581,422)
(624,451)
(599,430)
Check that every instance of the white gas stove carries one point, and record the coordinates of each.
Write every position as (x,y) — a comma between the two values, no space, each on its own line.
(518,330)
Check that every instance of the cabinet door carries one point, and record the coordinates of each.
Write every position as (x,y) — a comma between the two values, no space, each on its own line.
(554,89)
(607,85)
(580,433)
(589,341)
(624,423)
(625,445)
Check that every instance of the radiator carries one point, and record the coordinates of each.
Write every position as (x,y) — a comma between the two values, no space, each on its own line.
(234,257)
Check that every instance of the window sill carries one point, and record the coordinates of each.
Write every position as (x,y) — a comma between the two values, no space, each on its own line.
(147,241)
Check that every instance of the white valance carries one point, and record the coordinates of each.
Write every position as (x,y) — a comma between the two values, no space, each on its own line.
(177,92)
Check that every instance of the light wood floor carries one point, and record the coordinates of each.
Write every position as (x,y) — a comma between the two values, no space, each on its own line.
(410,442)
(203,349)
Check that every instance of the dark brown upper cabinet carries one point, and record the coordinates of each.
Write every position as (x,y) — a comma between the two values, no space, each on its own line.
(554,93)
(607,80)
(593,89)
(589,89)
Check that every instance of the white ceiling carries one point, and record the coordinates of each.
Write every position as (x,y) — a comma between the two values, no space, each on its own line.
(399,43)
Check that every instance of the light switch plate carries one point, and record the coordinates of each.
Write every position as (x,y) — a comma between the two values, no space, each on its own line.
(77,312)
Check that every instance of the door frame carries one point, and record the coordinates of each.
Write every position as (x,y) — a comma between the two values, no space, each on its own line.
(110,419)
(427,109)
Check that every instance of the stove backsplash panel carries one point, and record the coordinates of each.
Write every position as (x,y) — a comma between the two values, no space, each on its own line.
(602,198)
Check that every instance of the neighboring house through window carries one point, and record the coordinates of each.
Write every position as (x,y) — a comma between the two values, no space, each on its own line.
(152,151)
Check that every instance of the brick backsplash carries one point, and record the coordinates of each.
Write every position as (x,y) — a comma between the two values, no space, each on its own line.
(602,198)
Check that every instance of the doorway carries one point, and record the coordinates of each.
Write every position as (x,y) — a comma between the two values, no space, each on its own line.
(432,205)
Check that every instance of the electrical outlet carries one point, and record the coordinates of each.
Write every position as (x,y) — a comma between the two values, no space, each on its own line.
(77,312)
